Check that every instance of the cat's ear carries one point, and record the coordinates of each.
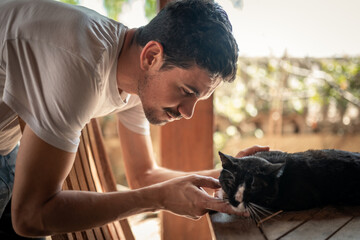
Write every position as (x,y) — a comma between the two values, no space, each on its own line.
(276,169)
(226,160)
(227,180)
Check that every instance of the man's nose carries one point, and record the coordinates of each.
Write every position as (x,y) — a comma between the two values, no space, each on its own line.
(186,109)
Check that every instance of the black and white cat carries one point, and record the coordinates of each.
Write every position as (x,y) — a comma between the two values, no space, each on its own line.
(291,181)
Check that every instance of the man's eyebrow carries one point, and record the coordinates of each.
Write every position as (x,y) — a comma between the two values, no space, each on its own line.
(194,90)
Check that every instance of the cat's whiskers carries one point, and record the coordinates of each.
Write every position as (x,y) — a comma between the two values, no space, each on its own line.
(258,211)
(253,213)
(264,211)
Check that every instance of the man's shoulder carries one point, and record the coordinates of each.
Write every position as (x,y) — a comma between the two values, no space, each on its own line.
(61,29)
(75,29)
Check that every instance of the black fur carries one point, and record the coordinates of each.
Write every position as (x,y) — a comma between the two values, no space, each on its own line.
(293,181)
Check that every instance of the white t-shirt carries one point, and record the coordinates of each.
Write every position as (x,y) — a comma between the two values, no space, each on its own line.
(58,67)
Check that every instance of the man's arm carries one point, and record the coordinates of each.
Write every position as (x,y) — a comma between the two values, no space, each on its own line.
(141,167)
(40,207)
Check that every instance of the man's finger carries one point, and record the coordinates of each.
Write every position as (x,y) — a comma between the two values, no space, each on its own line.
(252,150)
(221,206)
(208,182)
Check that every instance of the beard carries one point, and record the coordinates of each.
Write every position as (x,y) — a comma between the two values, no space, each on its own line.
(151,113)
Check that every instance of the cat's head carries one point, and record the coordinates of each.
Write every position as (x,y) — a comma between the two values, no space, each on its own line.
(250,179)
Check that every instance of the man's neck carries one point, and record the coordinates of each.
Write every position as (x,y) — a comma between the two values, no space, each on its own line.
(128,66)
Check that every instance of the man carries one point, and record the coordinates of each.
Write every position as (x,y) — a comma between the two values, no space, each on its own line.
(62,65)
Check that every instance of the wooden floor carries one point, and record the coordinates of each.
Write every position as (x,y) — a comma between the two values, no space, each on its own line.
(340,223)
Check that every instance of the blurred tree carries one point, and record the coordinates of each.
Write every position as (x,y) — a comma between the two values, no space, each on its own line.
(316,94)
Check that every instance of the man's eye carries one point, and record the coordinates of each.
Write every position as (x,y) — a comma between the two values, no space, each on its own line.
(186,92)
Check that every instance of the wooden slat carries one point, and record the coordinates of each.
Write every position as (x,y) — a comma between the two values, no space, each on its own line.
(107,178)
(85,180)
(122,228)
(93,151)
(321,226)
(333,223)
(286,222)
(101,160)
(84,161)
(228,227)
(93,179)
(75,186)
(91,163)
(92,172)
(350,231)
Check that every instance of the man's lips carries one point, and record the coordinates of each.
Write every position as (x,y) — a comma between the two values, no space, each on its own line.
(172,117)
(169,116)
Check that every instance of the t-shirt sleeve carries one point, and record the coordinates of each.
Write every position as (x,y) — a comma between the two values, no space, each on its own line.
(53,90)
(135,120)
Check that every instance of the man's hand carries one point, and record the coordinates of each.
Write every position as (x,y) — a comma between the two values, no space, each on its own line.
(185,196)
(251,150)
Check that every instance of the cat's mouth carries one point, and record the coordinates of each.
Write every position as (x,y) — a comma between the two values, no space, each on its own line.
(236,205)
(234,202)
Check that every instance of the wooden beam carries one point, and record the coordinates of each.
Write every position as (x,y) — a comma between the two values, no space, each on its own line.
(187,145)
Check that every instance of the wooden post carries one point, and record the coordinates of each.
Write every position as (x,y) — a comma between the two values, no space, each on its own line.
(187,145)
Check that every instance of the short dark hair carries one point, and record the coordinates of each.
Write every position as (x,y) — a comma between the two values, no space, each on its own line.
(194,32)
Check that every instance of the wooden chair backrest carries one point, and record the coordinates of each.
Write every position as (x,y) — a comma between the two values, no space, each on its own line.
(92,172)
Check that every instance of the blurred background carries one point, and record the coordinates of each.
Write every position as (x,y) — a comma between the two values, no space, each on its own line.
(298,80)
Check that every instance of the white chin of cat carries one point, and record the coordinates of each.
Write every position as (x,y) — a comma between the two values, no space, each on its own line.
(239,197)
(240,208)
(240,194)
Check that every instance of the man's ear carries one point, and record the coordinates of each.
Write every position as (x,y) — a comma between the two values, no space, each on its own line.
(151,55)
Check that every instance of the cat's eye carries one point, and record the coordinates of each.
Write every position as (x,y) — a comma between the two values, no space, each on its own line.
(258,183)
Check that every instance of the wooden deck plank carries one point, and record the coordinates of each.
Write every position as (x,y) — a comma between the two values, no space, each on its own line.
(286,222)
(325,223)
(334,223)
(228,227)
(350,231)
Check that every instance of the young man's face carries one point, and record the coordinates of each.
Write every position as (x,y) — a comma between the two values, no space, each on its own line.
(172,94)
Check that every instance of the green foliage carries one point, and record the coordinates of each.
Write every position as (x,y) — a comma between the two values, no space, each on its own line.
(74,2)
(150,9)
(114,7)
(329,89)
(346,74)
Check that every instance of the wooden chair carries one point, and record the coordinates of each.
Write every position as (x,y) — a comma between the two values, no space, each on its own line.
(92,172)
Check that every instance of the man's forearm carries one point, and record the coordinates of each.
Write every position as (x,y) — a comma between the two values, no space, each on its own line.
(160,174)
(70,211)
